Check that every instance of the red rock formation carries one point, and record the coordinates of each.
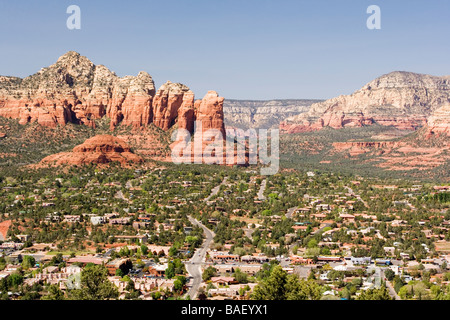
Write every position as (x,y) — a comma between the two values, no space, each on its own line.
(186,113)
(209,111)
(75,90)
(100,149)
(209,134)
(167,101)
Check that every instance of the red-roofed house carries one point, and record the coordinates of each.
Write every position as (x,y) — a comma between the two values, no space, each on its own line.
(347,217)
(223,280)
(87,259)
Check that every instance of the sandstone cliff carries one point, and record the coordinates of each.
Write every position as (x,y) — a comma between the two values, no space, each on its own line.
(401,99)
(439,122)
(77,91)
(246,114)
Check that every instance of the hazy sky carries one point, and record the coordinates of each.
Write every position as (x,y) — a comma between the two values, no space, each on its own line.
(247,49)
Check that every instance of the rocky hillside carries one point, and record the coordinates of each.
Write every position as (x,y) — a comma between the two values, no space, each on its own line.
(404,100)
(246,114)
(397,124)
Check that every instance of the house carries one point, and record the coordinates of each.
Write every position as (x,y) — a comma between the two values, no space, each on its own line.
(140,238)
(323,207)
(303,210)
(84,260)
(11,245)
(140,225)
(250,269)
(328,259)
(223,280)
(71,218)
(50,269)
(158,270)
(340,267)
(188,230)
(123,264)
(347,217)
(300,260)
(220,257)
(404,255)
(120,221)
(324,276)
(23,237)
(53,217)
(255,259)
(73,269)
(319,216)
(361,260)
(95,220)
(385,262)
(224,268)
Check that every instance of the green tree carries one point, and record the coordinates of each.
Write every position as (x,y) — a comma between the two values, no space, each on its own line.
(170,271)
(144,250)
(240,276)
(15,279)
(208,273)
(94,285)
(54,293)
(28,262)
(281,286)
(178,286)
(302,290)
(4,285)
(389,274)
(120,273)
(274,288)
(375,294)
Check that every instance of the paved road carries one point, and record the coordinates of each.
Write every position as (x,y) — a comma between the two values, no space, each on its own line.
(350,190)
(248,232)
(261,190)
(326,225)
(120,195)
(391,289)
(290,212)
(215,190)
(193,267)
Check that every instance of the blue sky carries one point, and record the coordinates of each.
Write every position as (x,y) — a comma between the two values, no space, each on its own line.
(248,49)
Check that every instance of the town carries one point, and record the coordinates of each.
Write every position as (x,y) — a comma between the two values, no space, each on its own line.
(169,231)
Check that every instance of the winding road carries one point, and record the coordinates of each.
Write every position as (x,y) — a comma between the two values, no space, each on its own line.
(261,190)
(215,190)
(290,212)
(391,289)
(193,267)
